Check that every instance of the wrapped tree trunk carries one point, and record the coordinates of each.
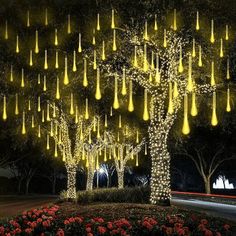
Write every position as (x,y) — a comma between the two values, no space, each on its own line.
(71,180)
(89,184)
(120,175)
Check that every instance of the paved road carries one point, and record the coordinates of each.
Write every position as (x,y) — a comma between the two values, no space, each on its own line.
(210,208)
(13,205)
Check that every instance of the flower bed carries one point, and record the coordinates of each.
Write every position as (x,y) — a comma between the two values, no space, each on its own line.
(52,221)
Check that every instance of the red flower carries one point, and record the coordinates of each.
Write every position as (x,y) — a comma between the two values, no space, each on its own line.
(89,234)
(109,225)
(226,227)
(46,223)
(88,229)
(71,220)
(218,234)
(39,220)
(28,230)
(66,222)
(60,232)
(101,230)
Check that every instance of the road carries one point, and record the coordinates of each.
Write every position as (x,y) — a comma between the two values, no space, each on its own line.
(210,208)
(14,205)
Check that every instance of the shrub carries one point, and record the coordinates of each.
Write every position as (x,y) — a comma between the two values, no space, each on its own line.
(129,195)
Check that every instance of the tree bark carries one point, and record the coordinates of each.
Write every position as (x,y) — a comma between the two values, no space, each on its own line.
(207,182)
(71,181)
(19,185)
(54,185)
(27,186)
(120,175)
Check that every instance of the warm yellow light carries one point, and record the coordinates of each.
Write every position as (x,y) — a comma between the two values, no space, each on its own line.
(90,138)
(54,110)
(17,44)
(155,23)
(55,150)
(194,110)
(135,57)
(76,115)
(145,149)
(185,128)
(31,58)
(226,32)
(39,131)
(130,103)
(105,122)
(51,130)
(105,154)
(56,60)
(112,19)
(68,25)
(152,61)
(43,117)
(194,49)
(36,49)
(94,59)
(170,105)
(227,72)
(111,111)
(48,142)
(81,131)
(145,106)
(228,106)
(6,31)
(221,48)
(157,74)
(80,46)
(174,21)
(94,124)
(39,104)
(48,113)
(145,61)
(66,78)
(28,19)
(22,78)
(103,51)
(124,90)
(200,56)
(98,22)
(98,94)
(45,59)
(58,89)
(29,105)
(137,136)
(120,122)
(214,120)
(98,129)
(23,129)
(86,109)
(44,83)
(116,104)
(72,104)
(32,122)
(17,105)
(165,39)
(11,74)
(213,83)
(85,79)
(56,38)
(180,67)
(46,17)
(114,48)
(197,21)
(94,39)
(4,113)
(145,35)
(136,162)
(190,80)
(175,90)
(212,39)
(74,62)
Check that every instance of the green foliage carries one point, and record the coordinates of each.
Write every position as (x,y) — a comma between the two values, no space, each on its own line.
(129,195)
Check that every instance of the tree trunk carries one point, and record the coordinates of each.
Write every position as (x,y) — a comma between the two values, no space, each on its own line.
(19,186)
(160,172)
(89,184)
(108,180)
(207,182)
(71,181)
(54,185)
(120,175)
(27,186)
